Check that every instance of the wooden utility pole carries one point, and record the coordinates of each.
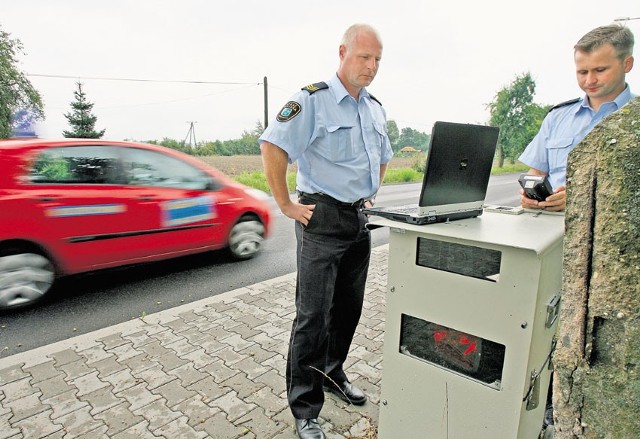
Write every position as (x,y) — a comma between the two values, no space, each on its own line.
(266,104)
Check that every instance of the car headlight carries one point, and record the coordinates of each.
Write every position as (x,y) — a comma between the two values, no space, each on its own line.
(257,193)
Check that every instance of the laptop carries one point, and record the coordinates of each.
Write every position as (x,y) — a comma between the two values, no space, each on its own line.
(456,176)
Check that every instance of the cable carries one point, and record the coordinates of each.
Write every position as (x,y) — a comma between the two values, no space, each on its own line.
(142,80)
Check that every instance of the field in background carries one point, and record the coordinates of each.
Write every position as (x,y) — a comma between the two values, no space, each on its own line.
(247,169)
(236,165)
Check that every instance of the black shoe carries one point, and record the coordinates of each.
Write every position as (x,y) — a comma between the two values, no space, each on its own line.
(347,392)
(548,416)
(309,429)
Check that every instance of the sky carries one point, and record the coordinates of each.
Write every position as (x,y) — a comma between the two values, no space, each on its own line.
(204,61)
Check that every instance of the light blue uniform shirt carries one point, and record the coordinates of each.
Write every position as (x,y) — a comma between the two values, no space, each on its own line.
(339,143)
(561,130)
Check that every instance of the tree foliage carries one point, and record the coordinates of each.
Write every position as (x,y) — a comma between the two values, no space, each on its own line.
(17,95)
(517,116)
(80,118)
(410,137)
(393,132)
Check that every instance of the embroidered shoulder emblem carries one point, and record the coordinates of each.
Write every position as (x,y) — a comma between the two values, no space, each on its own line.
(290,110)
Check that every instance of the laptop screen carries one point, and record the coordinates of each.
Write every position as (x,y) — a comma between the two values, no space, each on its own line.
(459,164)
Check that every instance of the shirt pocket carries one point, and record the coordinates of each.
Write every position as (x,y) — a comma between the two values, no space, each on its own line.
(336,145)
(374,135)
(558,151)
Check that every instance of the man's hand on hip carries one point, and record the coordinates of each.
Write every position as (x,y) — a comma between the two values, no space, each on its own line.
(298,212)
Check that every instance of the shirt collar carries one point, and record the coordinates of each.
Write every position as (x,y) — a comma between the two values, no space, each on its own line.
(339,92)
(619,101)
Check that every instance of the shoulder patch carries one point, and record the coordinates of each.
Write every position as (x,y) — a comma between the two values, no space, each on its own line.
(564,104)
(312,88)
(375,99)
(290,110)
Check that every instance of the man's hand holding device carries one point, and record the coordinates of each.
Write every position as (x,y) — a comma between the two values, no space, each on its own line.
(537,193)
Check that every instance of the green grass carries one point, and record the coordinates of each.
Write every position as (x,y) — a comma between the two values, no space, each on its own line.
(402,175)
(509,169)
(258,180)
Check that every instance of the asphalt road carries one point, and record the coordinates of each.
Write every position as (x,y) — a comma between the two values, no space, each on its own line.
(85,303)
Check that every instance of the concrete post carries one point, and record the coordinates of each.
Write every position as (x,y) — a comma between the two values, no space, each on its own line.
(596,388)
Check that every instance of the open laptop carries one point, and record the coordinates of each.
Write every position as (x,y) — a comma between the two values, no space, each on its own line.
(456,176)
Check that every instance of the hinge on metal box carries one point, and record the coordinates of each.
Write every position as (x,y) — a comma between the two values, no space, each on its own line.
(553,309)
(533,395)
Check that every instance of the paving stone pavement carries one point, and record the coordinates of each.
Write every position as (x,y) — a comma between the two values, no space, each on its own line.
(210,369)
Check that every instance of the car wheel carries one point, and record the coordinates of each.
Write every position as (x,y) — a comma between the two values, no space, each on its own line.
(245,239)
(24,278)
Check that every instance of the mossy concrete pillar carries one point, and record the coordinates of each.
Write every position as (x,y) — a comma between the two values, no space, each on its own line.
(596,389)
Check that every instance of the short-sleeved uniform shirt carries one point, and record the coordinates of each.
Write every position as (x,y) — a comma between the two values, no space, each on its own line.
(561,130)
(338,142)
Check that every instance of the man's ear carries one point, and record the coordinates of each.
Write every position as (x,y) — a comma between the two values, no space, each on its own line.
(628,64)
(341,51)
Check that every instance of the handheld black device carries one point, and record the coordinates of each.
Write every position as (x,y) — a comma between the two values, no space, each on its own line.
(536,187)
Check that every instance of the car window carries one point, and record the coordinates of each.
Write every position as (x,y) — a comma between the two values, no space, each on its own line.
(151,168)
(78,164)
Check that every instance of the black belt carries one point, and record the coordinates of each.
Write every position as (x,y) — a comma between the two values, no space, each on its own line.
(330,200)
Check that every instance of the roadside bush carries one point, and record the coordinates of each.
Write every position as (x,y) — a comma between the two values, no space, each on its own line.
(419,162)
(402,175)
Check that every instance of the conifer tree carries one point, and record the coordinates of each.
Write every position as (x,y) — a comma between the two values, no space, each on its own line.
(81,120)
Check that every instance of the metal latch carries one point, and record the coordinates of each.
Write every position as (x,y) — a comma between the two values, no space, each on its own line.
(553,309)
(532,398)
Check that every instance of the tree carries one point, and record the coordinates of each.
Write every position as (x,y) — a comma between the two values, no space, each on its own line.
(393,132)
(518,118)
(258,130)
(17,95)
(410,137)
(80,118)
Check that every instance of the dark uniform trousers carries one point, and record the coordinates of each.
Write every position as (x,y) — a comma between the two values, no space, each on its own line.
(333,253)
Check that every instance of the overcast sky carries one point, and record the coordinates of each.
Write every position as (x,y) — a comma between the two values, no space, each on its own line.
(442,60)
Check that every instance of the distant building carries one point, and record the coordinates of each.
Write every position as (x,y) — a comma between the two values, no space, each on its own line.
(409,150)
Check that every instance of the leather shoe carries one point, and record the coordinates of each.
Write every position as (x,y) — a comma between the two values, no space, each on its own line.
(309,429)
(548,416)
(349,393)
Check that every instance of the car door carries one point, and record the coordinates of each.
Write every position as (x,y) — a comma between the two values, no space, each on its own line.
(109,205)
(80,195)
(176,203)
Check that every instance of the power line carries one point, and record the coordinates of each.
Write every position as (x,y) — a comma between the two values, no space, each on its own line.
(164,80)
(141,80)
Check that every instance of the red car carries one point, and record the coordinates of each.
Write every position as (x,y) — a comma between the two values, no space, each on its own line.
(75,205)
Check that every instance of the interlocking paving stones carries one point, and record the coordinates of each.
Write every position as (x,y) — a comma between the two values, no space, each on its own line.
(210,369)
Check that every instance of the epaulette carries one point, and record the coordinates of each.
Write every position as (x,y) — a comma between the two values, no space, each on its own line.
(312,88)
(375,99)
(565,103)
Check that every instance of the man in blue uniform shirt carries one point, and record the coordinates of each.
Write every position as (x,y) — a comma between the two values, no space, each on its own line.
(336,131)
(602,57)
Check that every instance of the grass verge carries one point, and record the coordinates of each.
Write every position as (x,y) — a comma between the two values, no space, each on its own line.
(257,179)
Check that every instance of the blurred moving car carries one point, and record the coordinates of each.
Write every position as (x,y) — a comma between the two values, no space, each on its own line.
(75,205)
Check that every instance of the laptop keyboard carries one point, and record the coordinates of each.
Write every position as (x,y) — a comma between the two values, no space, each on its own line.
(408,209)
